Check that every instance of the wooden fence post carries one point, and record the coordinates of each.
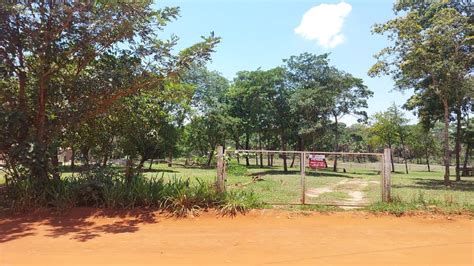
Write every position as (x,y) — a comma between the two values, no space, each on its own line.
(386,180)
(303,182)
(220,182)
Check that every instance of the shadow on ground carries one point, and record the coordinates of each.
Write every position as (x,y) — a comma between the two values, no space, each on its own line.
(436,184)
(309,173)
(159,171)
(73,223)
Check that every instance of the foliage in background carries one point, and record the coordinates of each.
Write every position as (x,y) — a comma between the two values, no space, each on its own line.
(432,53)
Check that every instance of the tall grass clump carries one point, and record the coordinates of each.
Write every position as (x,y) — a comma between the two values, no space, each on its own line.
(418,202)
(106,188)
(239,201)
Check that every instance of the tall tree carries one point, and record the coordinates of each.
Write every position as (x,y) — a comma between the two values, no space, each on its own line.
(311,99)
(431,49)
(47,49)
(422,142)
(350,98)
(385,130)
(207,128)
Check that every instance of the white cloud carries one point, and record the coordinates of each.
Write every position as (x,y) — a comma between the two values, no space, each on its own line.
(323,24)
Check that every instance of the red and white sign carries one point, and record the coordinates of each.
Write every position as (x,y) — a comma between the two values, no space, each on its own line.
(317,161)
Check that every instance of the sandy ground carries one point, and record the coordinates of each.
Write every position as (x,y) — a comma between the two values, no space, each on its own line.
(354,189)
(88,237)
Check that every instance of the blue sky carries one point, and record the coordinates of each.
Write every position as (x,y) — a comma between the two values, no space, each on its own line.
(260,33)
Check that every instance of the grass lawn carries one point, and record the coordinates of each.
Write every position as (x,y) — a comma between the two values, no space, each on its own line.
(276,187)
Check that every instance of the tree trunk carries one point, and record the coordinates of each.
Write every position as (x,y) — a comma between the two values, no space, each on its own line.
(55,163)
(458,142)
(237,146)
(141,163)
(129,170)
(170,159)
(73,159)
(293,160)
(300,143)
(247,147)
(391,157)
(404,155)
(105,159)
(403,152)
(447,155)
(466,159)
(85,154)
(151,164)
(283,148)
(209,158)
(261,154)
(428,161)
(41,154)
(336,143)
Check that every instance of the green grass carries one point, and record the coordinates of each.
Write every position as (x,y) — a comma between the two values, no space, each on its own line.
(276,187)
(407,186)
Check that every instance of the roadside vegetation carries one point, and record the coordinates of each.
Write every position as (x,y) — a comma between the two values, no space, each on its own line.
(92,97)
(109,189)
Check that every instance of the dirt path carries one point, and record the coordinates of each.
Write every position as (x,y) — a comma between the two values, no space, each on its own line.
(261,237)
(354,189)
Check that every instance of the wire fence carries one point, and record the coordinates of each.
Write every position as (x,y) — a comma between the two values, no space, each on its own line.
(295,177)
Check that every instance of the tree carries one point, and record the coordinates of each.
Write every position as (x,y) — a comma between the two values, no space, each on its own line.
(321,92)
(431,50)
(388,128)
(259,100)
(311,97)
(422,143)
(350,97)
(47,53)
(468,139)
(207,128)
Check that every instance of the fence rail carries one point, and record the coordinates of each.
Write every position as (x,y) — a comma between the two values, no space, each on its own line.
(306,152)
(385,170)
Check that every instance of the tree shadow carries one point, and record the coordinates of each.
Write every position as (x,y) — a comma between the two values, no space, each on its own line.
(436,184)
(260,167)
(159,171)
(328,174)
(307,173)
(274,172)
(76,223)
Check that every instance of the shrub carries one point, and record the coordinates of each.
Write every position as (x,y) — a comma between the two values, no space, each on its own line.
(234,169)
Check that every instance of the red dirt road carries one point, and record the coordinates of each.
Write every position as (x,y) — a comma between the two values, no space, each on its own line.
(86,237)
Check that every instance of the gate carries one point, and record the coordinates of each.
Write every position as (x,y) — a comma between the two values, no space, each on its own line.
(311,165)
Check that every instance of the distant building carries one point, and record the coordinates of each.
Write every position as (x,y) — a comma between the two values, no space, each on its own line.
(65,156)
